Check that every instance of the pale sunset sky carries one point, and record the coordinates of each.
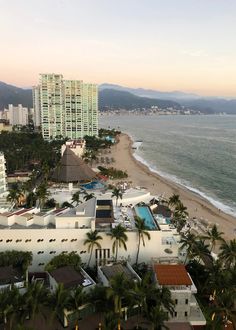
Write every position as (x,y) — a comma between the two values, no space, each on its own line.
(187,45)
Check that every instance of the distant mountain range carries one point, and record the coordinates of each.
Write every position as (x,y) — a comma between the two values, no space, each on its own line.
(14,95)
(154,94)
(194,101)
(119,97)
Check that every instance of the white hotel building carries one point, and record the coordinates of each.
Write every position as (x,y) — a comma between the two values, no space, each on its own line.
(64,230)
(65,107)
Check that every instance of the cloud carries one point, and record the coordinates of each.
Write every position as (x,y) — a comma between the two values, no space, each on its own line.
(194,52)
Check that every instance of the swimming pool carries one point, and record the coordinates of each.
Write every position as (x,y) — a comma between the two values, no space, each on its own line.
(144,213)
(93,185)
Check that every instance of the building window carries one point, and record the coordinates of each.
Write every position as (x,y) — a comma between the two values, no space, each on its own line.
(186,301)
(41,264)
(176,301)
(63,252)
(73,239)
(40,240)
(1,240)
(40,252)
(52,240)
(8,240)
(52,252)
(185,313)
(18,240)
(64,240)
(27,240)
(176,314)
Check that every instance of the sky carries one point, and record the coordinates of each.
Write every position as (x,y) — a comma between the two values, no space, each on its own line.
(185,45)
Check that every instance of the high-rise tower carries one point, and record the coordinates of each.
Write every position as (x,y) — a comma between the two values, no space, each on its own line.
(68,108)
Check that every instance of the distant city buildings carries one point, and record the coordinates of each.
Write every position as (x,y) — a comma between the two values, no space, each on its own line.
(67,108)
(16,115)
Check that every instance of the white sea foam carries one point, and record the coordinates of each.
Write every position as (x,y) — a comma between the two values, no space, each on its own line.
(221,206)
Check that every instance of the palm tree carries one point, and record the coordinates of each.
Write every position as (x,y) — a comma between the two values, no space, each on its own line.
(181,210)
(188,243)
(77,299)
(98,297)
(228,253)
(88,196)
(36,297)
(224,306)
(164,296)
(119,288)
(174,200)
(92,241)
(201,250)
(45,171)
(158,316)
(15,193)
(59,300)
(76,198)
(213,236)
(141,292)
(142,232)
(9,306)
(117,193)
(42,194)
(120,237)
(31,199)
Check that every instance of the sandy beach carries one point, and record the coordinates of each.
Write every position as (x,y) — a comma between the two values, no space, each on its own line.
(140,175)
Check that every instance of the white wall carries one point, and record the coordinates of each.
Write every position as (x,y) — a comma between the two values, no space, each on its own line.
(74,241)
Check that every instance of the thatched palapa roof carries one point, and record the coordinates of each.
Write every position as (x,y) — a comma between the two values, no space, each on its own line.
(72,169)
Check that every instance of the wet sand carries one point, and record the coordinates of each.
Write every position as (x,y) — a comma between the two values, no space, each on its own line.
(140,175)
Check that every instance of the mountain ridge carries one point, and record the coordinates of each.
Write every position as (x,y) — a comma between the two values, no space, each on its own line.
(108,97)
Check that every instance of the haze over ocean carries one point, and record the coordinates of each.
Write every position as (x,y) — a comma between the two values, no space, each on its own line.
(198,152)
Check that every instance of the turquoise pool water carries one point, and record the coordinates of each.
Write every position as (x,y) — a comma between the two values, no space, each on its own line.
(145,213)
(93,185)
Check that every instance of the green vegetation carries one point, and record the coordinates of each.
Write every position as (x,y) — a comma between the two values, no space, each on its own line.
(28,151)
(64,259)
(215,279)
(112,173)
(95,143)
(18,259)
(20,309)
(108,132)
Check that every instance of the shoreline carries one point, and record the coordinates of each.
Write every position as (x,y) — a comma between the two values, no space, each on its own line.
(142,176)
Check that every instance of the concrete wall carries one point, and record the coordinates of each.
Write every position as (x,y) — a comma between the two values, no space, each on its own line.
(43,241)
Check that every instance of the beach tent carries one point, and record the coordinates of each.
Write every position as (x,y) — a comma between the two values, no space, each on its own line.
(71,168)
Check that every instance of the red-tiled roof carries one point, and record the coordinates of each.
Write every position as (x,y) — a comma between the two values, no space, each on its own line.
(172,275)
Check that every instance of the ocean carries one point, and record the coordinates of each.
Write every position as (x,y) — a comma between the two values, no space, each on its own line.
(198,152)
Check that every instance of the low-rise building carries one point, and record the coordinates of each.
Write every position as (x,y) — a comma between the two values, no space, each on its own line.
(71,280)
(176,278)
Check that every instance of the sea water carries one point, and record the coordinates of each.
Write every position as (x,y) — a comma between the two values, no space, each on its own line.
(196,151)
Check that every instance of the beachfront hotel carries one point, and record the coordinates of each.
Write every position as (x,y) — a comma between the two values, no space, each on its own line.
(49,233)
(67,108)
